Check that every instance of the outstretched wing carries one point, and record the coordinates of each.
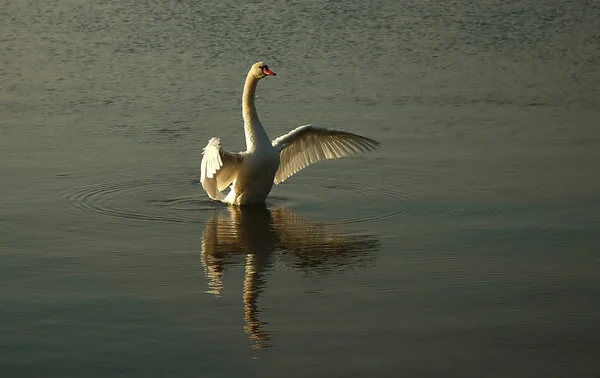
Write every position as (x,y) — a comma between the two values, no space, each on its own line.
(308,144)
(218,169)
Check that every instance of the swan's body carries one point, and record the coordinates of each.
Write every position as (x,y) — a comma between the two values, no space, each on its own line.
(252,173)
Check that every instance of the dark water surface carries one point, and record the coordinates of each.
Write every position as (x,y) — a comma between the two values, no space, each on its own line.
(466,246)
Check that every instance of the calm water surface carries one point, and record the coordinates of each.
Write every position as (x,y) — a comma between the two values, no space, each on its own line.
(466,246)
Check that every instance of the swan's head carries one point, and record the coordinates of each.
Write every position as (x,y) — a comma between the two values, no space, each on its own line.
(260,70)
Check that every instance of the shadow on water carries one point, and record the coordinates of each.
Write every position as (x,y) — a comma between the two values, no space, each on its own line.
(262,236)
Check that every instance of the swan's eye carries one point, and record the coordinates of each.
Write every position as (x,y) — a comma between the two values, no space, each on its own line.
(266,71)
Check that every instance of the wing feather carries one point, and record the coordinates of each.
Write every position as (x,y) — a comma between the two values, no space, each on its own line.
(219,168)
(308,144)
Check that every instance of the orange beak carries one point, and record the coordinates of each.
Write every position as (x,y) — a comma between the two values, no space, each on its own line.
(268,72)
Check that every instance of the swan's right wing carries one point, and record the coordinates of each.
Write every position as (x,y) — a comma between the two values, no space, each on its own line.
(218,169)
(308,144)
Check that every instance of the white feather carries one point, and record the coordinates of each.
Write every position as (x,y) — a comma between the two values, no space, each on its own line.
(218,168)
(308,144)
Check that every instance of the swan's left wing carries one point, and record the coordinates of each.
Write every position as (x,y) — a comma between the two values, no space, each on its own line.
(218,169)
(308,144)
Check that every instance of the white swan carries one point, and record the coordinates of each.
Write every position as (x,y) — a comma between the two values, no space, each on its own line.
(252,173)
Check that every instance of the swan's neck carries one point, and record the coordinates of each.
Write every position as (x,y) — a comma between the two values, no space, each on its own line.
(256,136)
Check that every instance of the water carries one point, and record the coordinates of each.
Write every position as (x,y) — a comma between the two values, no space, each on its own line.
(465,246)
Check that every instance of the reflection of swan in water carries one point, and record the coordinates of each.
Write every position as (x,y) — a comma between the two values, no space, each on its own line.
(254,233)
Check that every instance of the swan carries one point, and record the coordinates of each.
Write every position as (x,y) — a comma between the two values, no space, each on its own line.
(250,174)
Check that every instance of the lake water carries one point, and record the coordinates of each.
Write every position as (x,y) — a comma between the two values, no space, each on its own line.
(466,246)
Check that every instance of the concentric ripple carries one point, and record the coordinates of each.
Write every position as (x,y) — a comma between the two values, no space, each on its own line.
(145,200)
(420,195)
(394,201)
(182,201)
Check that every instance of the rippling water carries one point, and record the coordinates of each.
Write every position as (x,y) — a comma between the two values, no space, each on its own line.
(465,246)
